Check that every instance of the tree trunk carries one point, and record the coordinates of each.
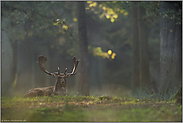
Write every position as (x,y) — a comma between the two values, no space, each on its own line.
(171,42)
(136,51)
(32,69)
(83,50)
(7,65)
(144,53)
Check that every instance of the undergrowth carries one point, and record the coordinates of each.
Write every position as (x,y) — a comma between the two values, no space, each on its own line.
(147,93)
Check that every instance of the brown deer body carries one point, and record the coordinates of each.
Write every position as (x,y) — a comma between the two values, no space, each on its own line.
(60,87)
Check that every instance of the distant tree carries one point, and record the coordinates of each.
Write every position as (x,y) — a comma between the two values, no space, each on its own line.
(83,86)
(171,42)
(136,43)
(141,75)
(144,53)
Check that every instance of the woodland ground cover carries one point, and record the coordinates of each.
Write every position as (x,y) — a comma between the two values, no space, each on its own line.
(89,108)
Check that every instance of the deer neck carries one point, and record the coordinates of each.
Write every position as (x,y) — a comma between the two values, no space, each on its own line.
(60,88)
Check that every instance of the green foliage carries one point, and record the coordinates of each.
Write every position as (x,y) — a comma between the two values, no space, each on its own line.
(88,108)
(104,10)
(98,52)
(174,13)
(153,12)
(40,19)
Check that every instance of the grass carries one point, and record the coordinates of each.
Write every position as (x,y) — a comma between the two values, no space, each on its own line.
(89,108)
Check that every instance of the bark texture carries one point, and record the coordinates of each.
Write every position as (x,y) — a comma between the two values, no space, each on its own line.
(83,50)
(144,52)
(136,50)
(171,42)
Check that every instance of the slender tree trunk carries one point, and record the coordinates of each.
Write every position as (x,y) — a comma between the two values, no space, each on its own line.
(171,42)
(83,45)
(136,51)
(144,53)
(32,69)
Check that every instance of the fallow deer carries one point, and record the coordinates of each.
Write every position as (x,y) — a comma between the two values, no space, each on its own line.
(60,85)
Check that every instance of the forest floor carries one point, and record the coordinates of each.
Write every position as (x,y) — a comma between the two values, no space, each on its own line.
(88,108)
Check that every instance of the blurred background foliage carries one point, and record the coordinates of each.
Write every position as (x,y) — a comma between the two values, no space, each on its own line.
(50,28)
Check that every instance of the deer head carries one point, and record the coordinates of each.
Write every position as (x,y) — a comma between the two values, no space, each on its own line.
(60,85)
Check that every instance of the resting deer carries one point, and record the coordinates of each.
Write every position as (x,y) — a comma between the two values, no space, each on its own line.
(60,85)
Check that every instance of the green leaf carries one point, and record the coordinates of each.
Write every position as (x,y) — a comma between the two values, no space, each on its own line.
(112,20)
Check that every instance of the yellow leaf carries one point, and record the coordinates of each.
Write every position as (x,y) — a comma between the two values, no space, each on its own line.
(100,5)
(87,8)
(113,55)
(89,1)
(55,23)
(112,20)
(74,19)
(65,27)
(121,11)
(110,11)
(90,5)
(109,52)
(115,16)
(126,13)
(107,16)
(94,4)
(104,8)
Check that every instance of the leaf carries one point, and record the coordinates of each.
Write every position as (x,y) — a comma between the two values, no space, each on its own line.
(112,20)
(65,27)
(115,16)
(104,8)
(113,55)
(107,16)
(55,23)
(75,19)
(94,4)
(89,2)
(110,11)
(121,11)
(109,52)
(100,5)
(126,13)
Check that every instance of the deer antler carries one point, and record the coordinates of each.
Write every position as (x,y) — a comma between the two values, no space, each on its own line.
(41,63)
(43,59)
(74,69)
